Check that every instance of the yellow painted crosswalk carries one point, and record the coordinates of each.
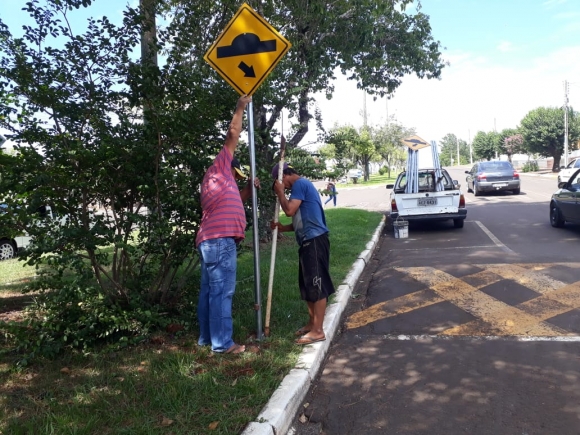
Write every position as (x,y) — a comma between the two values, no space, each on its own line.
(545,298)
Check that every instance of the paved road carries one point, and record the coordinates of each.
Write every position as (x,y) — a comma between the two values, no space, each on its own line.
(459,331)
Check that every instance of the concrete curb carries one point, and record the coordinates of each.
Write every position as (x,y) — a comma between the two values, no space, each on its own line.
(277,416)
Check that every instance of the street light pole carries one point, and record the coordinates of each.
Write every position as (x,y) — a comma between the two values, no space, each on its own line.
(566,123)
(458,158)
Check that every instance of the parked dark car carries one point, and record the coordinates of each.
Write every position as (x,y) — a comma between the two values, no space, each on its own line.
(491,177)
(565,202)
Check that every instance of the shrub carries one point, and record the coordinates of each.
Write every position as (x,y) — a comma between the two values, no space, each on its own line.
(530,166)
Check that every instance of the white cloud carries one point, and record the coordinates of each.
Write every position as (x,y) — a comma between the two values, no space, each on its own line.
(505,46)
(472,95)
(551,3)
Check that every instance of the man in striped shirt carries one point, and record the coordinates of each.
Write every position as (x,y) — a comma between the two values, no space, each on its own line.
(223,225)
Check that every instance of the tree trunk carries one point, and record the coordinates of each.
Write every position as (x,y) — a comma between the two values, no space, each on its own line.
(149,33)
(556,164)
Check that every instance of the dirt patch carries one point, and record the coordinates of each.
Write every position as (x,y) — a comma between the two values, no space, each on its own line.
(12,306)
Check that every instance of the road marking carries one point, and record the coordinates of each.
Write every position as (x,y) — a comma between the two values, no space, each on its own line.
(425,337)
(454,248)
(493,238)
(493,317)
(489,310)
(392,308)
(529,278)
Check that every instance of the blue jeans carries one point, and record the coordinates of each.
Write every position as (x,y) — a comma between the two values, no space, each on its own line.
(218,284)
(331,197)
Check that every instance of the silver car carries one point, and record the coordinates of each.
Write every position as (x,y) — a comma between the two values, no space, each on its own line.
(491,177)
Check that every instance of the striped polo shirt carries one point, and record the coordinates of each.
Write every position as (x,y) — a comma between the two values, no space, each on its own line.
(223,213)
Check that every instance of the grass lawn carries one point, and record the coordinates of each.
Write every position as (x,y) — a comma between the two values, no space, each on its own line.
(169,385)
(374,179)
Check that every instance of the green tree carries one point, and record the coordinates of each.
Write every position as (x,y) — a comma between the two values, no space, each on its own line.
(543,132)
(388,141)
(501,142)
(484,145)
(513,145)
(352,147)
(449,150)
(76,117)
(341,139)
(364,150)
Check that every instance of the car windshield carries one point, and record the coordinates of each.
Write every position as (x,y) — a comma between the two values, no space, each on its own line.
(495,166)
(575,182)
(426,181)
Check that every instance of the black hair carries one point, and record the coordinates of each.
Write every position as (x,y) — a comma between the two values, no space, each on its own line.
(289,171)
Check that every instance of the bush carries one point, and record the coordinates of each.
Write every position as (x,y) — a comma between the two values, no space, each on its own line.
(530,166)
(84,319)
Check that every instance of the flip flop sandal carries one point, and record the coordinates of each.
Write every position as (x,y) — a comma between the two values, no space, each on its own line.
(308,340)
(301,332)
(236,348)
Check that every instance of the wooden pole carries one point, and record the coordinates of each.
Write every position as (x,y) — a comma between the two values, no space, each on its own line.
(274,240)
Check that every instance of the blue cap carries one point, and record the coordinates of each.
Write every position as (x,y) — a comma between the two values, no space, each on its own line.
(277,167)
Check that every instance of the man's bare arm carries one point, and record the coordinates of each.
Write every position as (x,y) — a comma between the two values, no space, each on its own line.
(246,192)
(235,129)
(290,206)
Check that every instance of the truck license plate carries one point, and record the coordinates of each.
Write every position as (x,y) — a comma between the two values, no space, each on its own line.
(425,202)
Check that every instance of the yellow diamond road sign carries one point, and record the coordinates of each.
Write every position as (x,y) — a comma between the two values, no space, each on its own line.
(247,50)
(415,142)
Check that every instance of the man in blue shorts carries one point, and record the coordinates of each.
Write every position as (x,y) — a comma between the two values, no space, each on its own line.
(309,226)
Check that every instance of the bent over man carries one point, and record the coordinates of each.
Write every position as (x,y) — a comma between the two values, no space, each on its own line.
(309,226)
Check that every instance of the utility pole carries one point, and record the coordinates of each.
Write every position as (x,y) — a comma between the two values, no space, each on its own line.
(470,149)
(566,88)
(366,174)
(458,158)
(495,132)
(365,108)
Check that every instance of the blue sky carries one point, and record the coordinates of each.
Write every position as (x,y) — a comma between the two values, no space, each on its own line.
(506,57)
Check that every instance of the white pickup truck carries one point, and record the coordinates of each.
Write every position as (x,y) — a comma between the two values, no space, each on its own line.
(427,203)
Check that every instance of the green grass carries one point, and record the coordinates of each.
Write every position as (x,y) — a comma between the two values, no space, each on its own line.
(374,179)
(14,275)
(169,384)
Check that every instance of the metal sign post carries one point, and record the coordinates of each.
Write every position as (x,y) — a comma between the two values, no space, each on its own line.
(257,291)
(244,54)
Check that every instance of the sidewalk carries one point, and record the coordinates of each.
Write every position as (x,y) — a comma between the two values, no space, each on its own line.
(277,416)
(544,173)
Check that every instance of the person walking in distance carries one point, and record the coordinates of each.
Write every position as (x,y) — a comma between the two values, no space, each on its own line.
(309,226)
(331,187)
(222,227)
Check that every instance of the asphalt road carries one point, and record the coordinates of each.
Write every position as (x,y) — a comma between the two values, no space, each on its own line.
(459,331)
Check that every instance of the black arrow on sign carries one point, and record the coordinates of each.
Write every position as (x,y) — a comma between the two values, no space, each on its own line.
(415,142)
(248,70)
